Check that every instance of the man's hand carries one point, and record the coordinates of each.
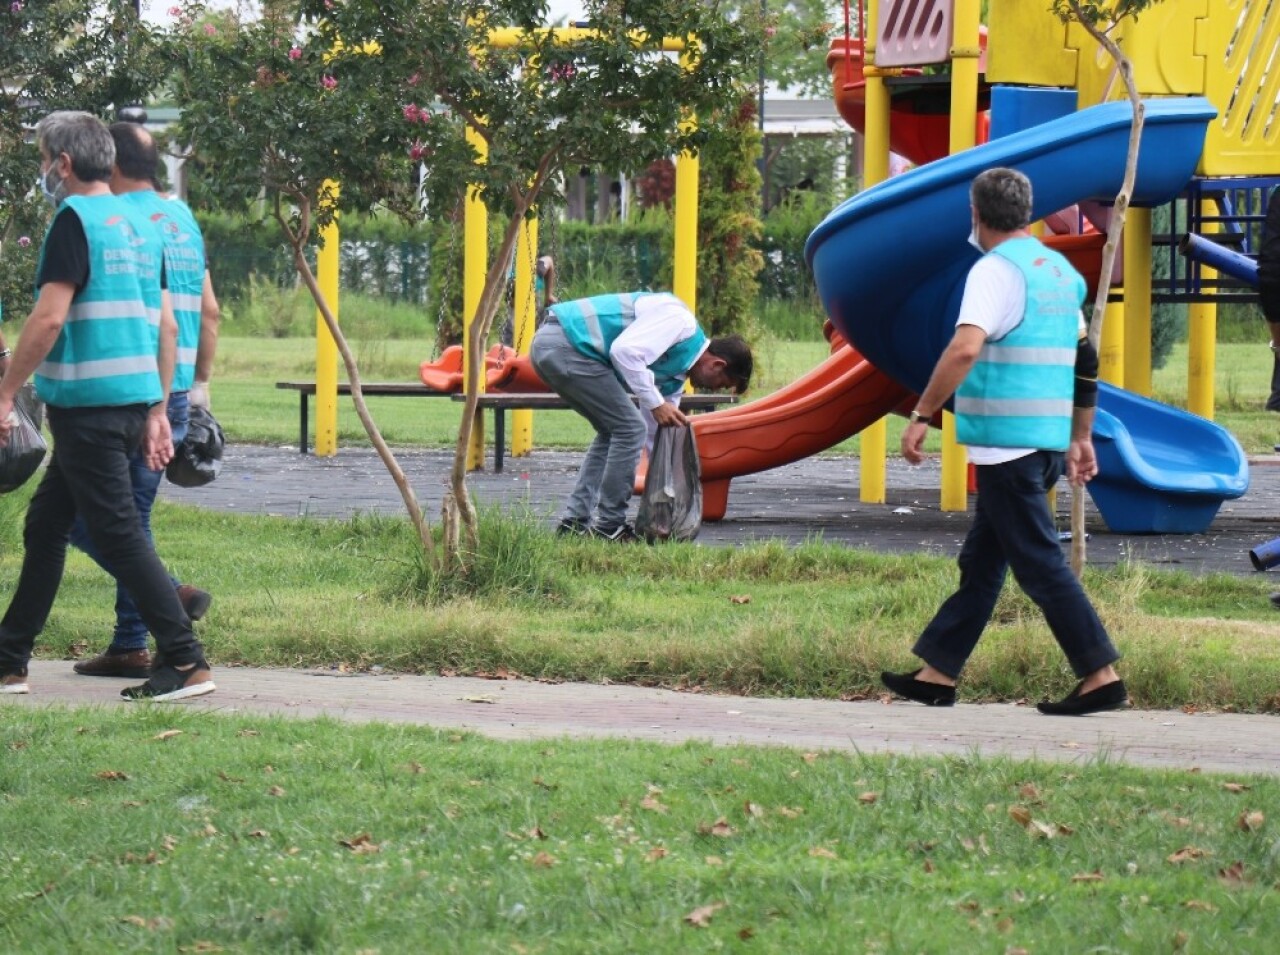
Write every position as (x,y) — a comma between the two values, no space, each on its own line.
(157,441)
(1082,464)
(198,396)
(913,441)
(668,415)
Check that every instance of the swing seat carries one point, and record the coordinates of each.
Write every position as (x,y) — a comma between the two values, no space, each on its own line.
(445,373)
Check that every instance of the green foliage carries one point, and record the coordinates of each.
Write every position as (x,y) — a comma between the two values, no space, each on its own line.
(69,54)
(1099,14)
(728,220)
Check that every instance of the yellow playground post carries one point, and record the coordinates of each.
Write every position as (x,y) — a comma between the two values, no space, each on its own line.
(327,261)
(873,441)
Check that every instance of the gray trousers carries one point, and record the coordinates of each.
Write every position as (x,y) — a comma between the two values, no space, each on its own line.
(592,389)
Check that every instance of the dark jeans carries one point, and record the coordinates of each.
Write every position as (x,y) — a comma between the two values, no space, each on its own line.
(1013,530)
(88,475)
(130,632)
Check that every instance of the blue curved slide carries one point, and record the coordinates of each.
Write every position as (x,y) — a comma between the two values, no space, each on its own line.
(890,265)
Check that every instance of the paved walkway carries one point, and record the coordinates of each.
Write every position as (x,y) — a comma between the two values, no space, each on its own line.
(517,709)
(794,503)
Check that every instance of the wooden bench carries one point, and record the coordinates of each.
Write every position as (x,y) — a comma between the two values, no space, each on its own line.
(500,402)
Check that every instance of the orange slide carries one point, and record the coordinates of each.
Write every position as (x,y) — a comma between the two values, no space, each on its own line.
(835,401)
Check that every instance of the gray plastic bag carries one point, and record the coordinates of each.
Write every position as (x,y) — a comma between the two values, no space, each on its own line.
(671,506)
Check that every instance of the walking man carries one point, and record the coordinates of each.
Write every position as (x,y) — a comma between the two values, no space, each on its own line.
(195,307)
(101,344)
(598,352)
(1024,375)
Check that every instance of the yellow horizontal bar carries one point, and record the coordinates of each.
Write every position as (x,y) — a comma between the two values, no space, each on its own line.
(512,36)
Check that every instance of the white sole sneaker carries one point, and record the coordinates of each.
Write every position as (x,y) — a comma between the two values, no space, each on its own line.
(14,689)
(195,682)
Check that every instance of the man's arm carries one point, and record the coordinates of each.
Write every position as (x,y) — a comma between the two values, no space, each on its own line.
(210,316)
(157,442)
(36,341)
(1082,463)
(951,369)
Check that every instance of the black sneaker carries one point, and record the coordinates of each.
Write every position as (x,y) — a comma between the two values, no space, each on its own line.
(168,684)
(573,527)
(1275,601)
(623,533)
(14,682)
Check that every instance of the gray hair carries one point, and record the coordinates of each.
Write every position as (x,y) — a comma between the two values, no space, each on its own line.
(84,138)
(1002,199)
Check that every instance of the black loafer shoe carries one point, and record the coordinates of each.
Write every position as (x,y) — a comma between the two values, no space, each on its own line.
(930,694)
(1109,696)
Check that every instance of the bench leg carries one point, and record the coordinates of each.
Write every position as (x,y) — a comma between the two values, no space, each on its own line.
(302,422)
(499,438)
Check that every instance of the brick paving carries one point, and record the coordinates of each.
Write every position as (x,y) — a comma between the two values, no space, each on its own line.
(817,497)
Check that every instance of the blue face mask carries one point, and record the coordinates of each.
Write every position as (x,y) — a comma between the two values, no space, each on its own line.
(53,194)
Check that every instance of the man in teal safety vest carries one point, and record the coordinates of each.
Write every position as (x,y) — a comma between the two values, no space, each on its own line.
(101,342)
(195,307)
(597,353)
(1024,375)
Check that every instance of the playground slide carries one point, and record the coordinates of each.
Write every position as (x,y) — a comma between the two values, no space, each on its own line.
(833,402)
(893,289)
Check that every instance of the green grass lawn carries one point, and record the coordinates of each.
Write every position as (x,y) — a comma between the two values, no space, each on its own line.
(166,830)
(251,409)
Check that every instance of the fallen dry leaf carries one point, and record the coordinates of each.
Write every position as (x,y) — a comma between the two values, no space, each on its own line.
(1094,876)
(543,860)
(1199,906)
(701,916)
(1251,821)
(788,812)
(480,698)
(362,844)
(752,810)
(653,804)
(1029,791)
(112,775)
(275,791)
(740,599)
(809,757)
(167,734)
(1021,815)
(159,922)
(822,852)
(1186,854)
(656,853)
(719,828)
(868,798)
(929,866)
(713,860)
(1235,787)
(746,933)
(257,834)
(1233,874)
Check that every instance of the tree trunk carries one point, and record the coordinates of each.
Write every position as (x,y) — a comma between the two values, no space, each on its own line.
(420,525)
(1115,230)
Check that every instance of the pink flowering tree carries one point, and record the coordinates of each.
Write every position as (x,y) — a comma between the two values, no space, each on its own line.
(105,59)
(368,92)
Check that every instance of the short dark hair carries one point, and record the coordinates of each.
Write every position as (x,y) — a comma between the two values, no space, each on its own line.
(1002,199)
(136,154)
(738,363)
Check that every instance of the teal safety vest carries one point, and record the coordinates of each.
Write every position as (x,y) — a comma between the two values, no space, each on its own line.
(184,266)
(105,354)
(1020,392)
(592,325)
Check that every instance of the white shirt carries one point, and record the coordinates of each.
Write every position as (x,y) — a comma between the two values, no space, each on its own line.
(995,298)
(661,321)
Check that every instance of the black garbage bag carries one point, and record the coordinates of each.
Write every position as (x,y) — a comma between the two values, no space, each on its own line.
(198,459)
(671,506)
(21,456)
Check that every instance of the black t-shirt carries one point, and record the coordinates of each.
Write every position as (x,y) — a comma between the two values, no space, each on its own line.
(1269,251)
(66,253)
